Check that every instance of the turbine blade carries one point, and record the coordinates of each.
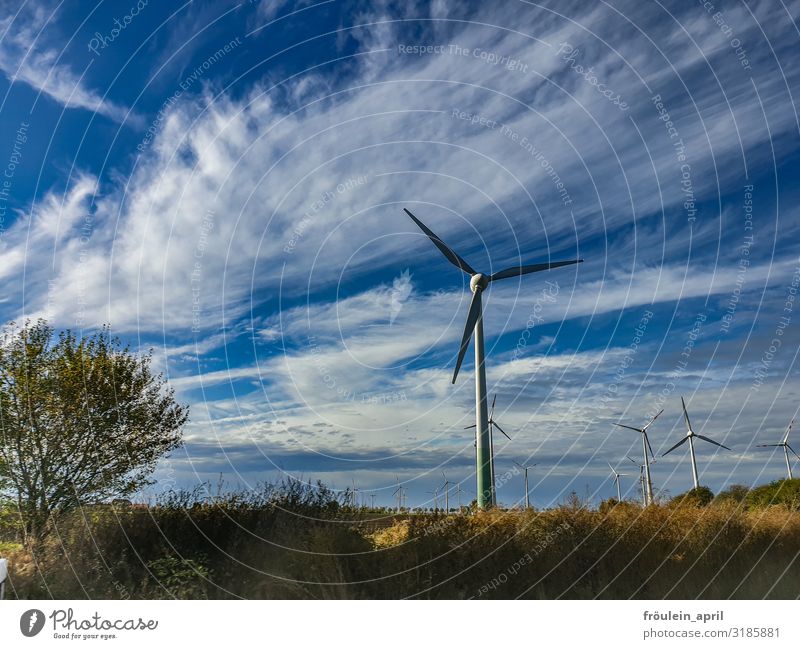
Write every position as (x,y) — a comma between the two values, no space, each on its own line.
(501,430)
(468,427)
(448,252)
(708,439)
(647,439)
(685,439)
(494,400)
(515,271)
(638,430)
(632,460)
(469,327)
(788,430)
(686,415)
(653,419)
(612,468)
(766,445)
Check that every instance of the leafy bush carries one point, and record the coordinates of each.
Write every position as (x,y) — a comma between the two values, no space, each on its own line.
(781,492)
(736,493)
(178,578)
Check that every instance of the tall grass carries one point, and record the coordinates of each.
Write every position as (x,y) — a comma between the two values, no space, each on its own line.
(293,540)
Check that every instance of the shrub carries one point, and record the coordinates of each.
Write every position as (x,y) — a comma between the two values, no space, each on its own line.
(781,492)
(697,497)
(736,493)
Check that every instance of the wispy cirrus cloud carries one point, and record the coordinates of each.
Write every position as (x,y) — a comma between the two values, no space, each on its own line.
(29,54)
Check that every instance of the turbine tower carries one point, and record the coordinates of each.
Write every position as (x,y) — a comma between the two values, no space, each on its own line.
(399,493)
(641,480)
(478,284)
(616,481)
(786,448)
(645,447)
(446,487)
(492,425)
(690,435)
(525,469)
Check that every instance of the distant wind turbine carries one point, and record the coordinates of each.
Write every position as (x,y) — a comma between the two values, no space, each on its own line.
(690,435)
(525,469)
(645,447)
(492,425)
(446,487)
(784,444)
(399,493)
(617,476)
(641,480)
(474,324)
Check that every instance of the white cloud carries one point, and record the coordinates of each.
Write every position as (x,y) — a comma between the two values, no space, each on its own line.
(27,56)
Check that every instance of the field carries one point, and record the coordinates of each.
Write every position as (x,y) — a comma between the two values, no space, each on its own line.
(295,541)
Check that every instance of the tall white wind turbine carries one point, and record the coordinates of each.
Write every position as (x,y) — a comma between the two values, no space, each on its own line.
(690,435)
(478,284)
(645,447)
(784,444)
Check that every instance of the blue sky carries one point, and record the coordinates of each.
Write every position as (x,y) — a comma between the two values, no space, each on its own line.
(224,182)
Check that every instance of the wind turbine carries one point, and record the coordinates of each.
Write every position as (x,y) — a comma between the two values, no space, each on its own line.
(474,324)
(435,493)
(645,447)
(616,481)
(690,435)
(446,493)
(399,493)
(641,480)
(786,448)
(525,469)
(492,423)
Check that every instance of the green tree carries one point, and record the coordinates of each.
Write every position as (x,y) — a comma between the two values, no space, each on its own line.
(81,420)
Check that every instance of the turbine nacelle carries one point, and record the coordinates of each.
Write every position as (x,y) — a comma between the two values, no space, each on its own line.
(478,281)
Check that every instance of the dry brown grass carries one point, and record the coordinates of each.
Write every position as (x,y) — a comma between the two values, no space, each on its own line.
(306,548)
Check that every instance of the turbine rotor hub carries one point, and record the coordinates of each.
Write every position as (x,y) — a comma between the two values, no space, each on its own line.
(478,281)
